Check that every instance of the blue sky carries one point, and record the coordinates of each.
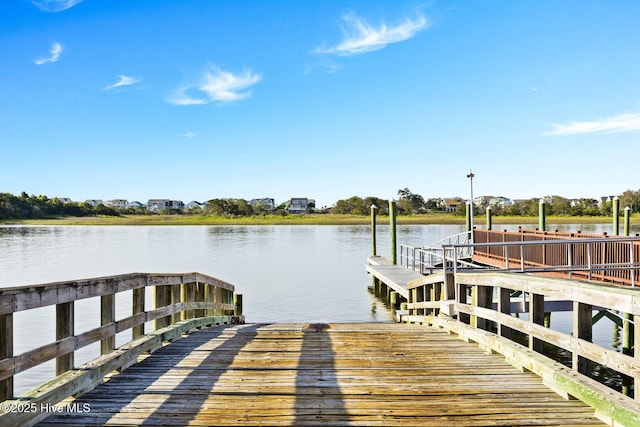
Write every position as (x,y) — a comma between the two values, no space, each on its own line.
(198,99)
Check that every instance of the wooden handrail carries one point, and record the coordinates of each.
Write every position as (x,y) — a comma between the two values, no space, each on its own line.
(176,298)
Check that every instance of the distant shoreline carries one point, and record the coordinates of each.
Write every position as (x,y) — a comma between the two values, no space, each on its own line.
(306,219)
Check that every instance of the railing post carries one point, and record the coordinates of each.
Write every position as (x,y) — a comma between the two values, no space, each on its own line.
(489,222)
(107,315)
(161,299)
(583,329)
(138,307)
(237,303)
(187,295)
(64,329)
(504,306)
(174,295)
(536,315)
(570,259)
(6,351)
(200,297)
(636,354)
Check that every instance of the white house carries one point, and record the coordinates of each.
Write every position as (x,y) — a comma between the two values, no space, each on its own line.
(117,203)
(300,204)
(94,202)
(194,204)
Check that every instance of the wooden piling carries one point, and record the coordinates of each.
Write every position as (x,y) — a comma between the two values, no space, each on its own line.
(627,220)
(374,208)
(616,215)
(489,219)
(542,215)
(392,224)
(582,328)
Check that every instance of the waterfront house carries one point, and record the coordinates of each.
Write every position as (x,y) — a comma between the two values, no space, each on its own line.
(264,203)
(300,205)
(451,204)
(117,203)
(160,204)
(94,202)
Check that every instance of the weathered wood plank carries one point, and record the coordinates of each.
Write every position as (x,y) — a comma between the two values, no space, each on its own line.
(349,374)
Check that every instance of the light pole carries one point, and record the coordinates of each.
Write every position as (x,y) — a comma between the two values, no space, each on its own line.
(470,175)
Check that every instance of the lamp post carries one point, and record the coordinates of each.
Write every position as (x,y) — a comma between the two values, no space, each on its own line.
(470,175)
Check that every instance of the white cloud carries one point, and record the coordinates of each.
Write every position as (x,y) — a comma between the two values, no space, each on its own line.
(360,37)
(621,123)
(190,134)
(124,81)
(55,5)
(216,86)
(54,54)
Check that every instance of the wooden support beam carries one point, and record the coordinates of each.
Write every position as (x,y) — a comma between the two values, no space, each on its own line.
(107,315)
(536,315)
(160,299)
(504,306)
(138,307)
(64,329)
(582,328)
(6,351)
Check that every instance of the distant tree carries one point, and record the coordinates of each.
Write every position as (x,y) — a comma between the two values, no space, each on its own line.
(632,199)
(410,203)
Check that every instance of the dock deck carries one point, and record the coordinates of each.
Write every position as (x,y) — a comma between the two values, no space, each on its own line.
(344,374)
(395,277)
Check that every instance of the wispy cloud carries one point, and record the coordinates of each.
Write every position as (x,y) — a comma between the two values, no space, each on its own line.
(189,135)
(124,81)
(216,85)
(55,6)
(622,123)
(361,37)
(54,54)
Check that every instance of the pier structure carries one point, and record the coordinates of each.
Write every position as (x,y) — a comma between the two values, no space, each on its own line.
(462,353)
(501,290)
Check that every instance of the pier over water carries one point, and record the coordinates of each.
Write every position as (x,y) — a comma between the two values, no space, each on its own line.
(470,348)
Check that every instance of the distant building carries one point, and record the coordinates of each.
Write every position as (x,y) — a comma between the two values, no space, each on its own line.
(266,203)
(135,205)
(451,204)
(193,204)
(94,202)
(117,203)
(300,205)
(160,204)
(63,200)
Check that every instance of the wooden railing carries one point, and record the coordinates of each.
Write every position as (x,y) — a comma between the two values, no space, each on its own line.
(479,306)
(593,257)
(181,302)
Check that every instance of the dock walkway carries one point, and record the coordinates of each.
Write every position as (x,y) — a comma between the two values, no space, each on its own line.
(395,277)
(341,374)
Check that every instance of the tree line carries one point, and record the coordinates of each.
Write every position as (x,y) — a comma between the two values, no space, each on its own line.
(27,206)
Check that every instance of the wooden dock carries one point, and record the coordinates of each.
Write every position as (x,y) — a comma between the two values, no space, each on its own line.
(371,374)
(395,277)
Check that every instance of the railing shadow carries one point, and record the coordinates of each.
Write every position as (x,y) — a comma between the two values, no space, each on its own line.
(149,377)
(319,399)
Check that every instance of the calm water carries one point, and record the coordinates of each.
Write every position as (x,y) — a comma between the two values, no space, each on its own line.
(286,273)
